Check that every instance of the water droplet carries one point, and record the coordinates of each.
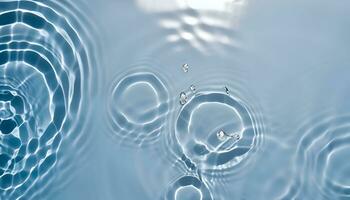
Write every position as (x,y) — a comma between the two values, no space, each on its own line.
(185,67)
(227,90)
(236,136)
(221,135)
(183,98)
(193,89)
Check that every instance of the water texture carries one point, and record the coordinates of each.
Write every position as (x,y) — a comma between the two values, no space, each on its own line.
(143,123)
(239,94)
(174,99)
(45,77)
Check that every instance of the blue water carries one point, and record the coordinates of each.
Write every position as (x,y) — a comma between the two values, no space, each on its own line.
(45,87)
(174,100)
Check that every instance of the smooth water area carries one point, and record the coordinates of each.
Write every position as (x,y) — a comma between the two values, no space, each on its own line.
(174,99)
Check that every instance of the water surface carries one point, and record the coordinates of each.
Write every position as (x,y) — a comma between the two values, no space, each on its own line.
(176,100)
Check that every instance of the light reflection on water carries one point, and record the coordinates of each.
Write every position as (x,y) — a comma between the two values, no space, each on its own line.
(45,82)
(222,73)
(227,99)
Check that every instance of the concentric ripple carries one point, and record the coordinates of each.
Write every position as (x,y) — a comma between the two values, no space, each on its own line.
(199,124)
(138,108)
(320,161)
(188,187)
(44,80)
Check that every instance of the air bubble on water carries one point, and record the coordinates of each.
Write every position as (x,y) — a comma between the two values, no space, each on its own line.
(221,135)
(236,136)
(183,98)
(227,90)
(193,89)
(185,67)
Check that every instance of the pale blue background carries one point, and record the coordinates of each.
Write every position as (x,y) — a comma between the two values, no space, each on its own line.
(291,56)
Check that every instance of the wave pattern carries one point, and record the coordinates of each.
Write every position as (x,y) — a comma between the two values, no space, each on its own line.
(188,187)
(316,164)
(196,142)
(140,112)
(209,151)
(45,76)
(138,125)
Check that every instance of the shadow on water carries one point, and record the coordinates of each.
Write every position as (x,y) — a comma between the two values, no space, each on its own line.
(46,73)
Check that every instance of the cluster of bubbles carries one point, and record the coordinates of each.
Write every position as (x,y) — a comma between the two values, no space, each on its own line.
(138,113)
(45,70)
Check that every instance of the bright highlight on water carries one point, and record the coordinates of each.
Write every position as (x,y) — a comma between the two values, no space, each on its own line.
(174,100)
(45,79)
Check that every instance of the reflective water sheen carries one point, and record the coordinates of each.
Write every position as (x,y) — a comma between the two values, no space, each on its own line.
(174,99)
(45,78)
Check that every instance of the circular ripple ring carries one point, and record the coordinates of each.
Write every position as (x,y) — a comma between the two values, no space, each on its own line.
(44,80)
(214,159)
(145,127)
(188,181)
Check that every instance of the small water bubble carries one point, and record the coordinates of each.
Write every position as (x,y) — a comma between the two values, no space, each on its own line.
(221,135)
(193,89)
(236,136)
(227,90)
(185,67)
(183,98)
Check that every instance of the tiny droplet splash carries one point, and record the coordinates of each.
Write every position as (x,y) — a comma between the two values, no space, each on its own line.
(185,67)
(221,135)
(236,136)
(227,90)
(183,98)
(193,89)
